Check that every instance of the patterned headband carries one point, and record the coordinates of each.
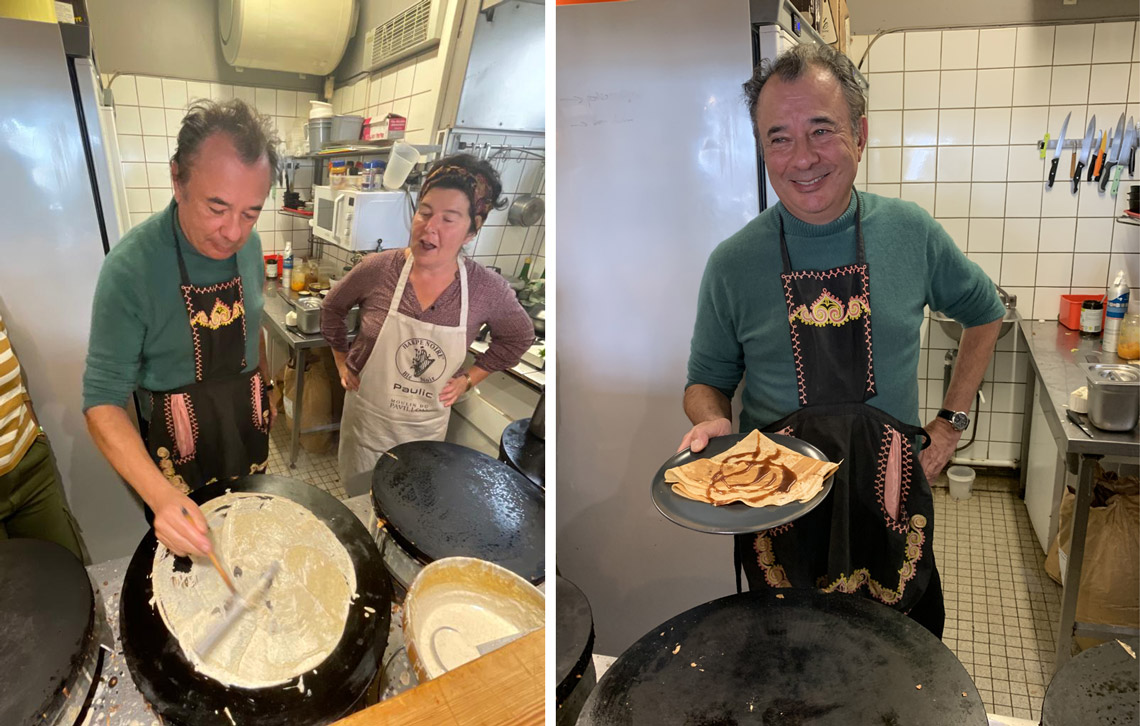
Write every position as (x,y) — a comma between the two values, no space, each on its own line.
(476,184)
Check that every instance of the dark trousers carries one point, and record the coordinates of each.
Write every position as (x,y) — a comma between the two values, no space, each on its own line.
(32,503)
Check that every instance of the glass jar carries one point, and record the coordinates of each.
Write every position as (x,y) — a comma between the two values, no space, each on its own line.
(337,178)
(1128,347)
(299,281)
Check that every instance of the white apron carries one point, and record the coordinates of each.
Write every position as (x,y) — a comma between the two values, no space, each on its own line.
(398,397)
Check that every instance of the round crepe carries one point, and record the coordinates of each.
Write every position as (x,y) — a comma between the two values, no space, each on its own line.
(289,630)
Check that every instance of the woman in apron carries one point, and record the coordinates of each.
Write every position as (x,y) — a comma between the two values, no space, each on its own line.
(873,536)
(421,307)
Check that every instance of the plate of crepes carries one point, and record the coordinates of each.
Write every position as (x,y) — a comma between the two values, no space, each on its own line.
(743,483)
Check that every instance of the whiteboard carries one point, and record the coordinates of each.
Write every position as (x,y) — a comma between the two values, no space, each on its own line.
(656,165)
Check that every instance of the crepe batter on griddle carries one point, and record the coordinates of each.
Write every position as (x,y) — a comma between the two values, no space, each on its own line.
(290,630)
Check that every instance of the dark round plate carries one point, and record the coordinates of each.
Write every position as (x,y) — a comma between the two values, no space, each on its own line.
(185,696)
(735,518)
(786,657)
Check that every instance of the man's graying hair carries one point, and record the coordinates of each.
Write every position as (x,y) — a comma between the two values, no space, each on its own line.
(791,65)
(251,133)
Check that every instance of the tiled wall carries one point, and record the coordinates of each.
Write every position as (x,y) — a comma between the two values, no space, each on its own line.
(954,120)
(148,114)
(409,89)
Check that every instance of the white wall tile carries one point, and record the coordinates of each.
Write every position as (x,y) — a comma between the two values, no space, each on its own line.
(1020,235)
(923,50)
(887,53)
(959,49)
(1058,235)
(123,89)
(196,90)
(173,121)
(138,201)
(1134,83)
(989,163)
(991,126)
(883,165)
(248,94)
(405,78)
(954,163)
(1005,451)
(1113,42)
(155,149)
(958,229)
(127,120)
(174,93)
(1109,83)
(996,47)
(1005,427)
(374,87)
(153,121)
(920,128)
(134,175)
(855,49)
(1034,46)
(920,89)
(131,148)
(1125,238)
(388,86)
(221,91)
(1058,201)
(958,89)
(1094,234)
(1025,164)
(886,91)
(884,128)
(919,164)
(1070,85)
(265,100)
(1023,200)
(1031,86)
(422,111)
(1018,268)
(885,190)
(158,176)
(985,235)
(149,91)
(956,127)
(159,198)
(990,262)
(1028,124)
(1090,270)
(1073,45)
(923,196)
(427,76)
(1129,263)
(952,200)
(987,200)
(1093,203)
(287,104)
(402,106)
(360,95)
(995,87)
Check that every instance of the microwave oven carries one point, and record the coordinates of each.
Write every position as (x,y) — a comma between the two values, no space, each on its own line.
(362,221)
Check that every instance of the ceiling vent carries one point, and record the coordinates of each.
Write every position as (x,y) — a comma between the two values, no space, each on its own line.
(406,33)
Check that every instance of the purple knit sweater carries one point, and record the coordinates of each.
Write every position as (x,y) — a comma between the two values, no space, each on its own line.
(372,283)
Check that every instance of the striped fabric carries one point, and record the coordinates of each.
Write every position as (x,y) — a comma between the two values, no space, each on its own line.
(17,429)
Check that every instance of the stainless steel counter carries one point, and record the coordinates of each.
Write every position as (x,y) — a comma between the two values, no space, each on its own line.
(117,700)
(1054,355)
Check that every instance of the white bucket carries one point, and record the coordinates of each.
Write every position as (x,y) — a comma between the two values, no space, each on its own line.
(400,163)
(961,481)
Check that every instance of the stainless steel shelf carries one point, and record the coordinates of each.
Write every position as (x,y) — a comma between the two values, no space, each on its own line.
(292,213)
(370,150)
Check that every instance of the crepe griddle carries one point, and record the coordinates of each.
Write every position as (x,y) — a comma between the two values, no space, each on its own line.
(47,629)
(525,452)
(184,696)
(440,499)
(806,657)
(1097,688)
(574,645)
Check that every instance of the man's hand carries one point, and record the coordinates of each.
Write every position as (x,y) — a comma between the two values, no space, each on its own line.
(698,437)
(181,536)
(349,380)
(455,388)
(943,440)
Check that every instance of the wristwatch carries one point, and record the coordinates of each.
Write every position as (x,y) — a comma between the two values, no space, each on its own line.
(958,419)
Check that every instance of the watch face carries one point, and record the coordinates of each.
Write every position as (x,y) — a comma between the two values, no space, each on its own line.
(959,421)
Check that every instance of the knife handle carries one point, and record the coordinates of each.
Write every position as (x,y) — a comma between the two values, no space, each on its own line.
(1094,166)
(1132,162)
(1104,174)
(1053,172)
(1077,176)
(1116,178)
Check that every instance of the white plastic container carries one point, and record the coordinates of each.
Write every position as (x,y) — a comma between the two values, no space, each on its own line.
(400,163)
(961,481)
(320,109)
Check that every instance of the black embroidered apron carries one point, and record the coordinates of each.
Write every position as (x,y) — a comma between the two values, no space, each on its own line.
(873,535)
(218,426)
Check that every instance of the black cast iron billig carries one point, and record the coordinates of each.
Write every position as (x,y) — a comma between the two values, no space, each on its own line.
(47,633)
(1099,687)
(574,650)
(184,696)
(525,452)
(806,657)
(442,500)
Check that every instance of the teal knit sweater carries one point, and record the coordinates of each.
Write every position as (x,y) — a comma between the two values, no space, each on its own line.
(742,321)
(140,333)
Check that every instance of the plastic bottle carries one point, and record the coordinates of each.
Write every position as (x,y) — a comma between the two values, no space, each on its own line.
(287,267)
(1116,304)
(525,273)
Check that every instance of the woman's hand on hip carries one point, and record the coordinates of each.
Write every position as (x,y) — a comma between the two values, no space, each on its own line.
(183,534)
(455,388)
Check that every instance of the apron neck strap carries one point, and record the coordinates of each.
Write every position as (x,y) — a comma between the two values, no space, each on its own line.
(178,246)
(398,295)
(860,254)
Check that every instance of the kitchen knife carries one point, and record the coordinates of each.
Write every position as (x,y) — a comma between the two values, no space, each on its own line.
(1094,169)
(1113,152)
(1086,149)
(1132,153)
(1057,151)
(1126,148)
(1079,424)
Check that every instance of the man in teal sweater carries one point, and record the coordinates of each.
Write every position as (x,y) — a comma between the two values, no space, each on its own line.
(177,316)
(829,349)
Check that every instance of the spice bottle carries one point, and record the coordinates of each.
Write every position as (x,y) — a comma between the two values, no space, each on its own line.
(1092,312)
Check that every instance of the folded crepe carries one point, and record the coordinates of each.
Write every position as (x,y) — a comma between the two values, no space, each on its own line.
(756,471)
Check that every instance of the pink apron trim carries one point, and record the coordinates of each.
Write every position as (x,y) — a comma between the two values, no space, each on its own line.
(257,414)
(183,433)
(894,476)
